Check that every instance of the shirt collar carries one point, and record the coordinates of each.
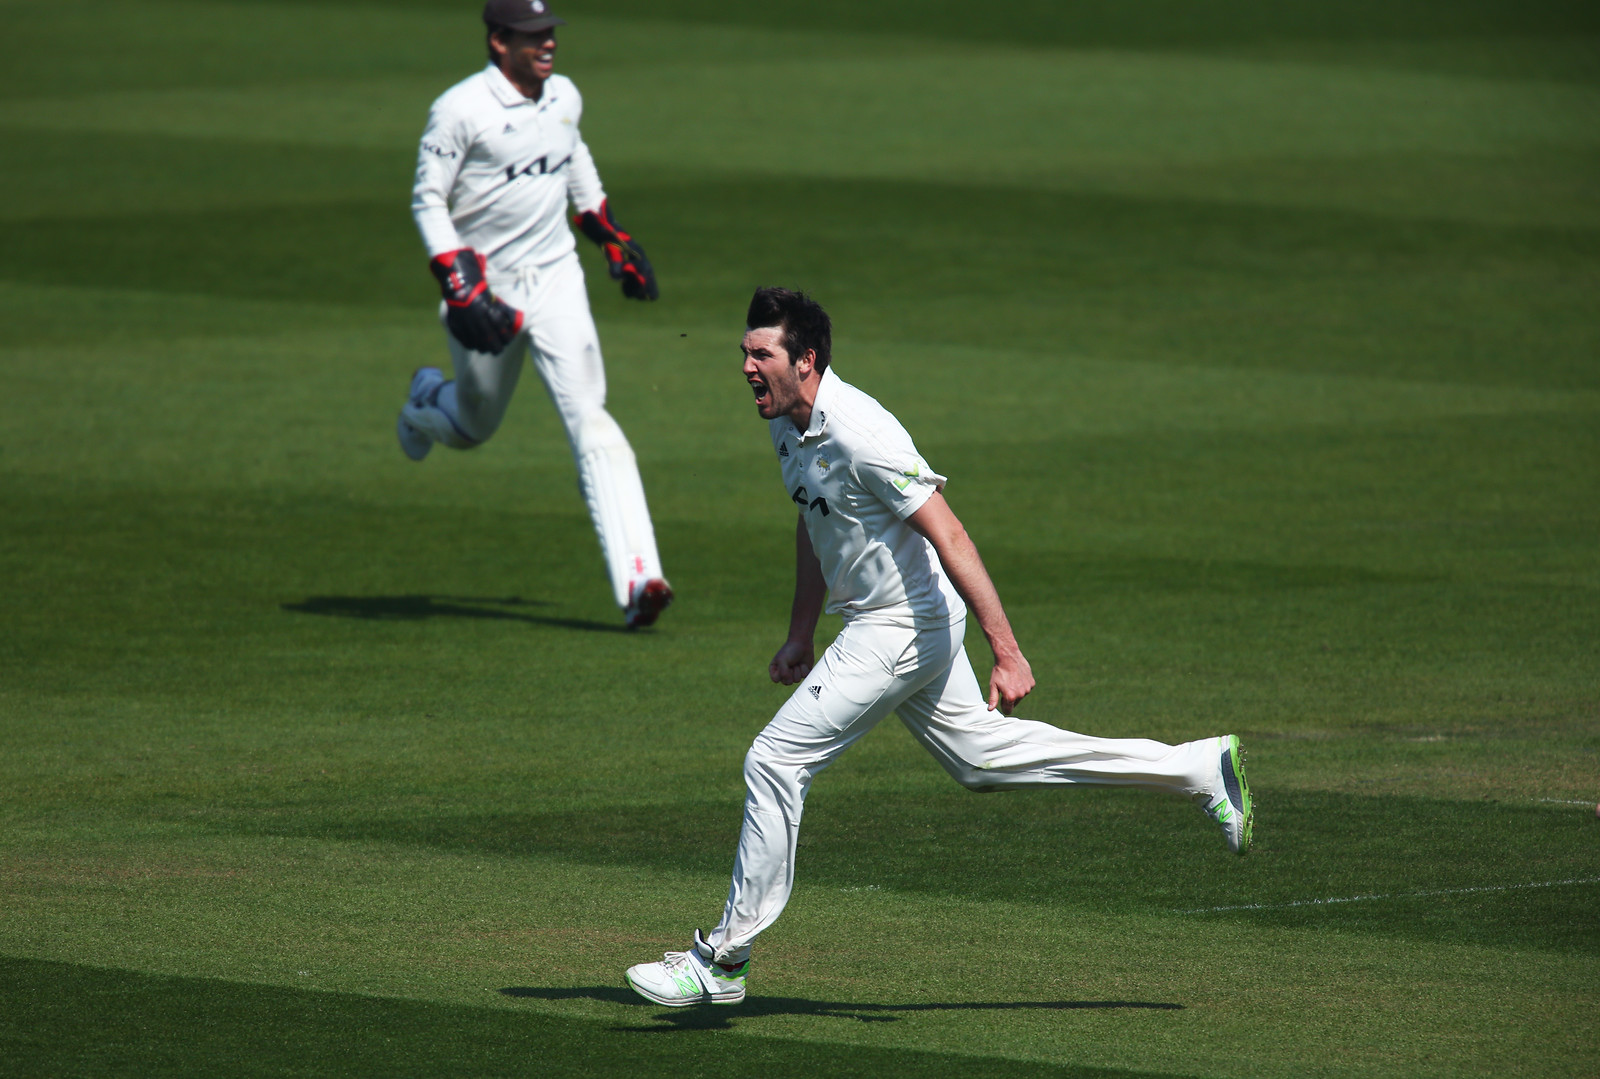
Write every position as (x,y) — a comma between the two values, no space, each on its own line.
(502,88)
(819,407)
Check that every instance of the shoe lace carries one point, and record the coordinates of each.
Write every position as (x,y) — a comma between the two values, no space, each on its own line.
(673,961)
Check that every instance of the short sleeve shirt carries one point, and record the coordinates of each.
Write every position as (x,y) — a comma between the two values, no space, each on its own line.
(855,476)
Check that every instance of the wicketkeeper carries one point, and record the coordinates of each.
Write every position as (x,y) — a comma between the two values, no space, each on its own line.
(500,159)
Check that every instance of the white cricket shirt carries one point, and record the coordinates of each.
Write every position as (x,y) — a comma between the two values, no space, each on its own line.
(856,476)
(495,171)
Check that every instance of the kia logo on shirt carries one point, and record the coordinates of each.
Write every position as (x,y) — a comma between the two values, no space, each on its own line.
(539,166)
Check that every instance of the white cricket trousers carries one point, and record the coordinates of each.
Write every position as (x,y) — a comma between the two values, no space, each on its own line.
(924,676)
(559,332)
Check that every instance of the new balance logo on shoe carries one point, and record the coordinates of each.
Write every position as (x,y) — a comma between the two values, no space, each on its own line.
(1231,807)
(685,978)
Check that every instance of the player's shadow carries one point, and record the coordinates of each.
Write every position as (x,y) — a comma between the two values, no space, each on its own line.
(417,608)
(712,1017)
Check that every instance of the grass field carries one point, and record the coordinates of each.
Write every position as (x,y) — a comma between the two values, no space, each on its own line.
(1261,344)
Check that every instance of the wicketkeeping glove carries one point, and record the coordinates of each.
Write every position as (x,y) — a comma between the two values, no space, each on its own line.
(476,317)
(624,257)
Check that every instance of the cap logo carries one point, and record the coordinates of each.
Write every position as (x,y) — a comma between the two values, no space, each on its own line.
(538,7)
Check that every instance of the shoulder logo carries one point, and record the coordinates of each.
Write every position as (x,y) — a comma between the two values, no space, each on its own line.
(783,449)
(508,129)
(438,151)
(816,692)
(916,471)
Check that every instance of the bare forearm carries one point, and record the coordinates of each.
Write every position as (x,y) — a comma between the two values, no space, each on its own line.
(809,588)
(797,655)
(1011,679)
(961,561)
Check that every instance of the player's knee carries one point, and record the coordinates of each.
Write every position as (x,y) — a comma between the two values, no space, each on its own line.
(758,762)
(595,431)
(765,768)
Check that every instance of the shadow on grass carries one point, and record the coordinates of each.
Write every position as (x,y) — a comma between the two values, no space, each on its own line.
(719,1017)
(70,1019)
(417,608)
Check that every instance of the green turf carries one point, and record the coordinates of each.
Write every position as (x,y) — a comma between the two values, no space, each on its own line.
(1259,343)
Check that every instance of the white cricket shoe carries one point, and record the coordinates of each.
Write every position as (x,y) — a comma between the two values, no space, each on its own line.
(412,428)
(1226,799)
(685,978)
(646,600)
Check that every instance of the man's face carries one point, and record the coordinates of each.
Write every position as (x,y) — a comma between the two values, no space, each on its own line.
(772,377)
(529,58)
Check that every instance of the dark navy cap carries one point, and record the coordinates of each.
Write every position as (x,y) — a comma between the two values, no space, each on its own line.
(525,15)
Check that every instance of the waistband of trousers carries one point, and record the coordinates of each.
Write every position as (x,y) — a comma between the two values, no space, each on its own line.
(529,275)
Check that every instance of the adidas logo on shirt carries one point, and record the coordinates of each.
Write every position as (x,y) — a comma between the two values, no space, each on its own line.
(783,449)
(816,692)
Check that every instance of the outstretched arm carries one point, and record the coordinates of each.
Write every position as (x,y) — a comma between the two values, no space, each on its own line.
(798,654)
(1012,678)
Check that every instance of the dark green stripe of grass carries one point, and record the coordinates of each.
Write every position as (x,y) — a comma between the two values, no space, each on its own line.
(1065,272)
(63,1019)
(1109,851)
(1100,23)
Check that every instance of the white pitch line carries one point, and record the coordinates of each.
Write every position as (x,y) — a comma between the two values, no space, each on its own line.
(1564,801)
(1396,895)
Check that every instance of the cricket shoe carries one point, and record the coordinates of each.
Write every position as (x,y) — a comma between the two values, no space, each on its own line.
(646,600)
(691,977)
(1226,799)
(412,426)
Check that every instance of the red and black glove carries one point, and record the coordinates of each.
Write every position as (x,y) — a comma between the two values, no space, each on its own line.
(624,257)
(474,315)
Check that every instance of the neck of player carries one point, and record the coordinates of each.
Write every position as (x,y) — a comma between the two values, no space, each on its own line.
(529,85)
(800,414)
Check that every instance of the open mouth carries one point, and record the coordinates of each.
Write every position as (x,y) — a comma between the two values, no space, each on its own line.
(762,392)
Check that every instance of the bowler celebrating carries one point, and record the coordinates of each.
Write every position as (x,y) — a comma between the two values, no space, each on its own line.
(500,158)
(876,537)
